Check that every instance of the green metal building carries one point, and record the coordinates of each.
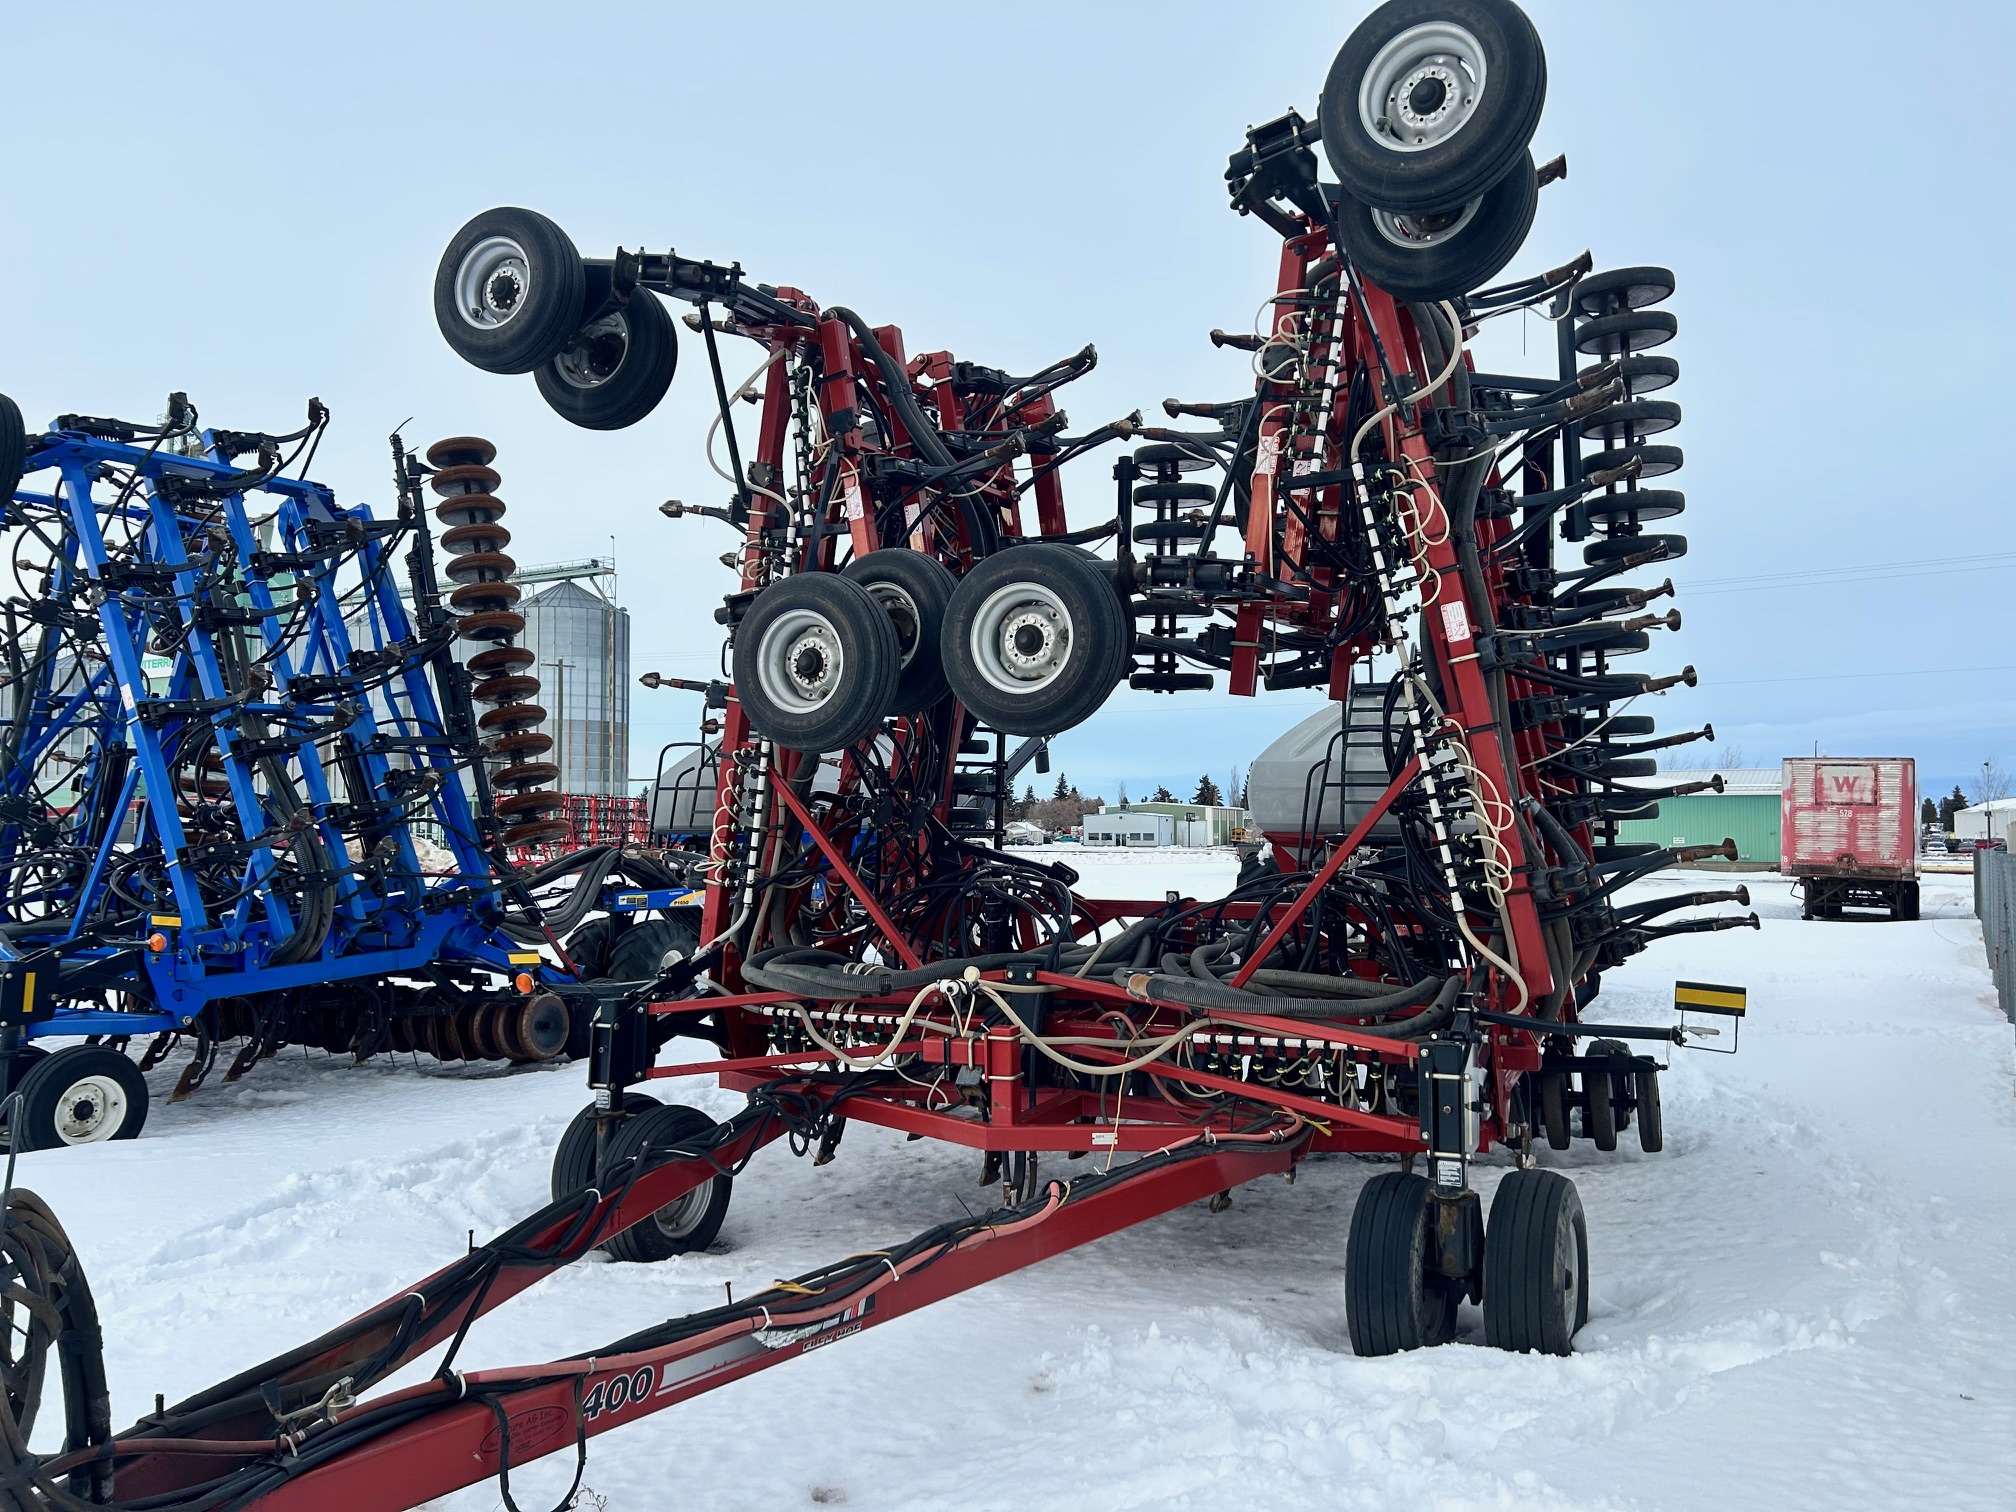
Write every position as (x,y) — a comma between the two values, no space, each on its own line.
(1746,811)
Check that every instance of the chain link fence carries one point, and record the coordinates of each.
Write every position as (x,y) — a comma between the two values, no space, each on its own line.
(1995,907)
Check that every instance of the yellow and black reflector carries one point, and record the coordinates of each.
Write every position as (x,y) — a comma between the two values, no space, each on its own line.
(1709,997)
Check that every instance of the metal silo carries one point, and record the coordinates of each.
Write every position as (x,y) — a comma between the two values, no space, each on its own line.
(582,644)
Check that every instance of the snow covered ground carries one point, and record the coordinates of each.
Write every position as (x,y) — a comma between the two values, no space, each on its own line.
(1804,1302)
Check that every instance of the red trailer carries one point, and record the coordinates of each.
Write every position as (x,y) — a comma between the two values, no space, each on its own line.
(1850,830)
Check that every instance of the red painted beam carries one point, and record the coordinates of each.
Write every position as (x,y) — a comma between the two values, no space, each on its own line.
(458,1444)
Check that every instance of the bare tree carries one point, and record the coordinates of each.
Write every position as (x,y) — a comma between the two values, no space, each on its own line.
(1730,755)
(1993,783)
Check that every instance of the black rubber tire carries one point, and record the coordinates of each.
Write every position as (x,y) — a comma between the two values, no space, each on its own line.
(1653,461)
(1625,726)
(1536,1264)
(26,1058)
(1632,418)
(574,1155)
(635,955)
(1644,505)
(544,309)
(612,372)
(1195,457)
(846,707)
(681,1227)
(1620,1081)
(1097,644)
(1616,548)
(13,447)
(1643,375)
(1651,1120)
(1619,289)
(1630,331)
(1479,154)
(1174,493)
(71,1082)
(915,591)
(1910,900)
(640,951)
(1392,1299)
(1553,1102)
(1599,1110)
(1469,259)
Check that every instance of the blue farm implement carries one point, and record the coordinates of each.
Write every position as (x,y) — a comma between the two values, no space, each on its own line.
(248,794)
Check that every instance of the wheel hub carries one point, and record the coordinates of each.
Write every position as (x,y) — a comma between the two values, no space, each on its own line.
(800,662)
(1417,231)
(1422,87)
(1035,644)
(491,284)
(596,352)
(90,1110)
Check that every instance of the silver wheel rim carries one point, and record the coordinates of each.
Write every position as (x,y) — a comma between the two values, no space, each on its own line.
(800,663)
(677,1220)
(492,282)
(595,353)
(903,614)
(1419,232)
(1022,638)
(91,1109)
(1422,87)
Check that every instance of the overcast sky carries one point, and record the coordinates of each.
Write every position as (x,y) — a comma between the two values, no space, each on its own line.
(247,202)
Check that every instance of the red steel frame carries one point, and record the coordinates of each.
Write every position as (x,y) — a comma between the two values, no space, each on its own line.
(1008,1110)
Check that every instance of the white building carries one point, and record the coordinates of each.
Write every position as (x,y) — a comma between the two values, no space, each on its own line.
(1130,827)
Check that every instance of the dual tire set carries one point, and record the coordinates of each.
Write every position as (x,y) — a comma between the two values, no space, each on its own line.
(1032,640)
(512,295)
(1426,118)
(1534,1281)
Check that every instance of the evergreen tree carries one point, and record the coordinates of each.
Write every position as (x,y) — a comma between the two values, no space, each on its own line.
(1063,788)
(1928,812)
(1163,795)
(1950,805)
(1207,792)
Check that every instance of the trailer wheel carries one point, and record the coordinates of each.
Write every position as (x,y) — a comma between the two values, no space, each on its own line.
(613,371)
(685,1224)
(1446,254)
(574,1155)
(508,291)
(1651,1121)
(1035,639)
(1393,1298)
(816,662)
(13,447)
(1554,1108)
(1904,902)
(85,1094)
(1431,102)
(1536,1264)
(915,591)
